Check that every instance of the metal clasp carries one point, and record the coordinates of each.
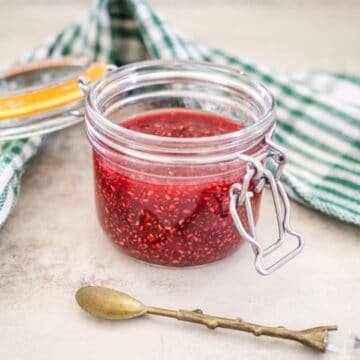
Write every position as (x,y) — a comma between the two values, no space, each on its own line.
(241,196)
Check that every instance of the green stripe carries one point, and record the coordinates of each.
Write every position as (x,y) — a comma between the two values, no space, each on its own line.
(4,196)
(6,145)
(206,57)
(143,29)
(286,89)
(334,179)
(297,113)
(16,191)
(350,210)
(348,77)
(328,190)
(166,38)
(289,128)
(344,182)
(9,159)
(66,50)
(308,154)
(55,44)
(322,199)
(184,46)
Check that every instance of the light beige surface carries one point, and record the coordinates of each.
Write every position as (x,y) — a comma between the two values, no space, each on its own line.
(52,244)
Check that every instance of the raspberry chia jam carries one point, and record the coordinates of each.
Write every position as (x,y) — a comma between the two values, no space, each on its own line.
(170,223)
(179,150)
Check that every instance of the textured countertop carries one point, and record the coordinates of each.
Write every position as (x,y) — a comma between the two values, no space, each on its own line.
(52,244)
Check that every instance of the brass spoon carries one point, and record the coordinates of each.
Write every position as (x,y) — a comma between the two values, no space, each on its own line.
(115,305)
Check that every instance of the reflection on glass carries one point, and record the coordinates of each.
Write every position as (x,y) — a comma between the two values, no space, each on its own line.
(36,79)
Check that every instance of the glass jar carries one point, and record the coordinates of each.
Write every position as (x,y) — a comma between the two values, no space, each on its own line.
(181,201)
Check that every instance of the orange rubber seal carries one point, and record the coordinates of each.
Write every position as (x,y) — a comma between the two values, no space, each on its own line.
(50,98)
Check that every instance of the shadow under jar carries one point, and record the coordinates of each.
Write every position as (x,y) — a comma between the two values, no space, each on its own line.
(170,139)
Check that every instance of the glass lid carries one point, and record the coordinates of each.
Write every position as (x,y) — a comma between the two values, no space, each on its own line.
(43,96)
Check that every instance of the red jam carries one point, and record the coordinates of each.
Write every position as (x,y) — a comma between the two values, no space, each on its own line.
(167,222)
(181,124)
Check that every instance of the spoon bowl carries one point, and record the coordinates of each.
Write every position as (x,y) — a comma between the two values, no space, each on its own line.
(107,303)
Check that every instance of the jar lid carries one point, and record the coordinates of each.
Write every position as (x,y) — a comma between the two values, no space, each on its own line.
(43,96)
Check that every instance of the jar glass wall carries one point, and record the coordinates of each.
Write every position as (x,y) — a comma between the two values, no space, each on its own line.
(163,195)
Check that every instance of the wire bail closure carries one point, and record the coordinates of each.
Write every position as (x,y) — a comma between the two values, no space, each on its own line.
(84,83)
(241,196)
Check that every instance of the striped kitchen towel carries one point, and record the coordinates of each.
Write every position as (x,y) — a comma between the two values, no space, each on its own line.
(318,113)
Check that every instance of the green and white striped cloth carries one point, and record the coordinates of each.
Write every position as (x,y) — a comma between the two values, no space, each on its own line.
(318,113)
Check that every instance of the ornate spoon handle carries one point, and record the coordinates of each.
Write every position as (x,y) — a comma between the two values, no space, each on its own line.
(315,337)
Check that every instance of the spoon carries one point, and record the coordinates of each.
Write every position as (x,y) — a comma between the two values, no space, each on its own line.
(111,304)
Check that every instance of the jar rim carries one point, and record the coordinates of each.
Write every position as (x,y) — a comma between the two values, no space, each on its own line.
(264,123)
